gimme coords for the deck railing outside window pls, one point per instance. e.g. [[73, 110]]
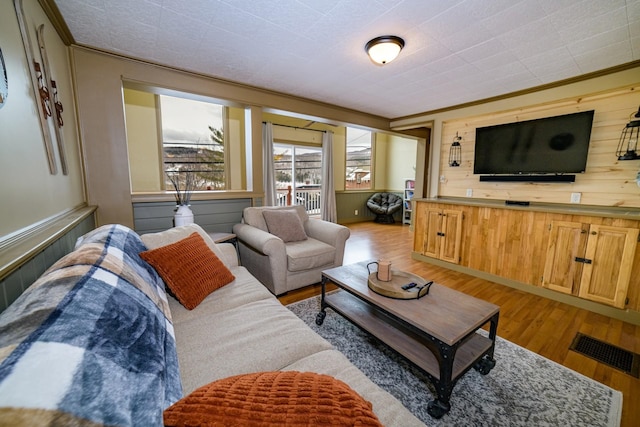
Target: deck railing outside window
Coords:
[[307, 197]]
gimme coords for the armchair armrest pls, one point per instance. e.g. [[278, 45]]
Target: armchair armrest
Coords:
[[327, 232], [330, 233], [261, 241], [263, 254]]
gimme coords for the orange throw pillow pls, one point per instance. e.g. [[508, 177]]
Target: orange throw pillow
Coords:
[[282, 398], [190, 269]]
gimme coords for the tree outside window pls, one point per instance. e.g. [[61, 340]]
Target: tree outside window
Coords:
[[358, 167], [193, 144]]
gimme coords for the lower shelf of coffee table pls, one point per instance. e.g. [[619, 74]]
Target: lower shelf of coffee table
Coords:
[[408, 343]]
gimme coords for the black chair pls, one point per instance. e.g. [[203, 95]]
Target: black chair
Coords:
[[384, 205]]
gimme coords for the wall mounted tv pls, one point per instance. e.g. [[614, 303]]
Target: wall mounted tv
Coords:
[[534, 150]]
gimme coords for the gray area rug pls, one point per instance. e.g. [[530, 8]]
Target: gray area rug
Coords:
[[524, 389]]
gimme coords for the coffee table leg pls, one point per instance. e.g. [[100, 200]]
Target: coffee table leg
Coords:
[[440, 406], [437, 408], [323, 307], [487, 362]]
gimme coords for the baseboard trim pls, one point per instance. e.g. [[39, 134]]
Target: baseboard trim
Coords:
[[629, 316]]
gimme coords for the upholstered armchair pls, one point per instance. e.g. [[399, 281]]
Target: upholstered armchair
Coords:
[[384, 205], [285, 249]]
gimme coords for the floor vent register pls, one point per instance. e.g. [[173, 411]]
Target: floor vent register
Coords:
[[616, 357]]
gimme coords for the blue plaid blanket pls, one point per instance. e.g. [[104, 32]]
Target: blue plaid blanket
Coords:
[[91, 341]]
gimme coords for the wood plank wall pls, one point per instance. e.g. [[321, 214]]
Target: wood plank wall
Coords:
[[606, 181], [13, 285], [212, 215]]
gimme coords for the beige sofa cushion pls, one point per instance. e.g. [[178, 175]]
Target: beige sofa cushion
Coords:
[[257, 336], [241, 291], [308, 254]]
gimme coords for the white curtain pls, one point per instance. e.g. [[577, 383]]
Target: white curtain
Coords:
[[268, 169], [328, 194]]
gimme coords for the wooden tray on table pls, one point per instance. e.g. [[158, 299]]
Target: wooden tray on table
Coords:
[[393, 288]]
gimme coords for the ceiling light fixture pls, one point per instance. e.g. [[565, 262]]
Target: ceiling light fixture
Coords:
[[384, 49]]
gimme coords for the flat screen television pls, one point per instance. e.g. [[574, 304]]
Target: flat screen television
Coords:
[[552, 145]]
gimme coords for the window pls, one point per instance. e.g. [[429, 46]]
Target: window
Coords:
[[358, 167], [193, 143], [304, 164]]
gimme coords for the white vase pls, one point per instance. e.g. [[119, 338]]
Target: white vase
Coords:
[[183, 216]]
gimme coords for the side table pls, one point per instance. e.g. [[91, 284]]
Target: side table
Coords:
[[226, 238], [223, 238]]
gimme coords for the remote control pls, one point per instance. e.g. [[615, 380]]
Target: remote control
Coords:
[[409, 286]]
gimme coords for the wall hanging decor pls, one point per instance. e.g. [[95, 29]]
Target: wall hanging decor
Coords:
[[4, 82], [40, 93], [628, 143], [455, 152], [54, 103]]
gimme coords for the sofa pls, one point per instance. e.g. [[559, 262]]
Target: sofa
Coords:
[[96, 340], [285, 249]]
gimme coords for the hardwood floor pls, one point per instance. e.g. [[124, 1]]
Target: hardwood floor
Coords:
[[541, 325]]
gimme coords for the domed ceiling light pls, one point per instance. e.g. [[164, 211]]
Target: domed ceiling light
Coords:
[[384, 49]]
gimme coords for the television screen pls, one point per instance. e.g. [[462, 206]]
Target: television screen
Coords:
[[552, 145]]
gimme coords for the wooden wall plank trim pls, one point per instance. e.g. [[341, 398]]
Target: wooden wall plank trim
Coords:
[[606, 181], [212, 215], [17, 281]]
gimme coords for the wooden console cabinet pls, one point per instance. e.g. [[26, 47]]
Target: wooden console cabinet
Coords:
[[440, 233], [592, 261], [586, 253]]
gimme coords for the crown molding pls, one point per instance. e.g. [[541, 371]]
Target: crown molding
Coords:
[[53, 13]]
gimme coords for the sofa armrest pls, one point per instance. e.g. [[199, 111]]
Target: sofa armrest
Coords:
[[230, 254]]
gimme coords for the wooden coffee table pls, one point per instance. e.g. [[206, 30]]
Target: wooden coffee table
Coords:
[[437, 333]]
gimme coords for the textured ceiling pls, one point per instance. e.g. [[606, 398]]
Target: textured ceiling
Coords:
[[456, 51]]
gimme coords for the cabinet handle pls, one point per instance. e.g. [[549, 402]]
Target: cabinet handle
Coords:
[[583, 260], [583, 231], [593, 233]]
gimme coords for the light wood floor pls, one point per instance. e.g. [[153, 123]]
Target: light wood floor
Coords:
[[541, 325]]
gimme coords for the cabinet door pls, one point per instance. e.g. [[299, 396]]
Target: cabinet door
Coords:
[[420, 227], [451, 236], [567, 241], [432, 233], [608, 262]]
